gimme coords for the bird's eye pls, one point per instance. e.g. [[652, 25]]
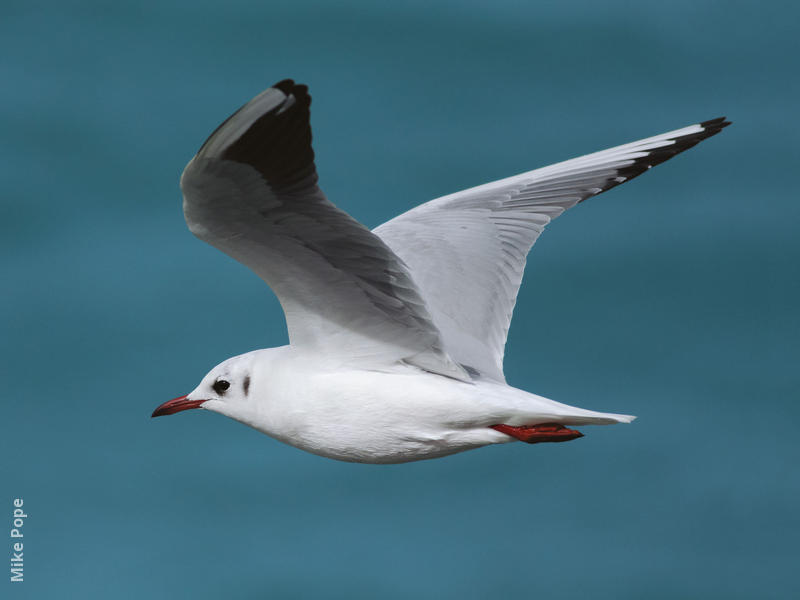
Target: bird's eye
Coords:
[[220, 385]]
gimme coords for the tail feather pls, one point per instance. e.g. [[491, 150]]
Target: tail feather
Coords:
[[599, 419], [531, 409]]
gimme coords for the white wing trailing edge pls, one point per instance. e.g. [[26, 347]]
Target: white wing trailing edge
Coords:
[[467, 251], [251, 191]]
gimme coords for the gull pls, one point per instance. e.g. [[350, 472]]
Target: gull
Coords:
[[396, 335]]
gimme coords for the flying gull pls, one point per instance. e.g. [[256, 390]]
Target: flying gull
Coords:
[[396, 335]]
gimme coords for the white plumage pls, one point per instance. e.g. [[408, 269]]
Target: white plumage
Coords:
[[396, 335]]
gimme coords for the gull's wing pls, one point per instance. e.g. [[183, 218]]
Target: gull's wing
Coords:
[[251, 191], [467, 251]]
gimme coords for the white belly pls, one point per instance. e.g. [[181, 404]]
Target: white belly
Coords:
[[373, 417]]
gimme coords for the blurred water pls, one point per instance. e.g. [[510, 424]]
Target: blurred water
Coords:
[[674, 298]]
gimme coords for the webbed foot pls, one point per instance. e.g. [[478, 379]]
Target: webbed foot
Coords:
[[535, 434]]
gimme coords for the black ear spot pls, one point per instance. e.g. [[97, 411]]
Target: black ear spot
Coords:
[[246, 384], [220, 386]]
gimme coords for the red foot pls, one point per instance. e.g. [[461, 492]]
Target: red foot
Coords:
[[544, 432]]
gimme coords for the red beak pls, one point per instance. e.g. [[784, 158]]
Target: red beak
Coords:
[[170, 407]]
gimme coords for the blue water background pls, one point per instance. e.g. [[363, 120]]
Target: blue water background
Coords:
[[674, 297]]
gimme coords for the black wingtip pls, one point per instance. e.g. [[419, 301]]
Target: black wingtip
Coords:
[[298, 90], [681, 143], [278, 143], [284, 85], [714, 126]]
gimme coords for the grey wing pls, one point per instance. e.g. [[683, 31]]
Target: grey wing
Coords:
[[467, 251], [251, 191]]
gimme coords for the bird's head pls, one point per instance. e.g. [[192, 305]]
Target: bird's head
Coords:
[[226, 389]]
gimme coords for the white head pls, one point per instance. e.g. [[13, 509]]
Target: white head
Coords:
[[226, 389]]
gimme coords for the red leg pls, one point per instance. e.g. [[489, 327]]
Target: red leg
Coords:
[[544, 432]]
